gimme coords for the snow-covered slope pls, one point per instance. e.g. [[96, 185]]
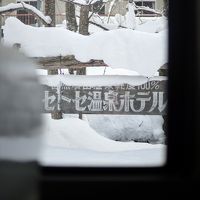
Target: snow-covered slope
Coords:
[[129, 128], [71, 141], [71, 132]]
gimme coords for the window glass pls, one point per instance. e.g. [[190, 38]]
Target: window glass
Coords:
[[102, 67]]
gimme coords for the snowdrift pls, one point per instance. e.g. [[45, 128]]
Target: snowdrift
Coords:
[[139, 51], [72, 142], [129, 128], [71, 132]]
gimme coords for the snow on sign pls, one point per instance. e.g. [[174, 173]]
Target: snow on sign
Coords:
[[146, 99]]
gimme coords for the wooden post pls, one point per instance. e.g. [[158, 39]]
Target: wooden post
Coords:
[[163, 71], [56, 114], [17, 46], [50, 11], [52, 72], [80, 115], [71, 17], [0, 22]]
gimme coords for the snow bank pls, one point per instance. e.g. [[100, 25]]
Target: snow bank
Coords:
[[109, 71], [153, 25], [95, 80], [129, 128], [142, 52], [72, 142], [80, 80], [72, 132], [55, 156]]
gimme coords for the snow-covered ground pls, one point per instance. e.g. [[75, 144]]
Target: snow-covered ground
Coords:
[[103, 140], [72, 142]]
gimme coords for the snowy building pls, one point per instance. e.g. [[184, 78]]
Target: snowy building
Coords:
[[119, 7], [28, 18]]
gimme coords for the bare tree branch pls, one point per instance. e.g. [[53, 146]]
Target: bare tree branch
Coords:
[[96, 24], [145, 8], [99, 25]]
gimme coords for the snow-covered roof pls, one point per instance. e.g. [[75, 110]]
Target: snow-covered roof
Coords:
[[21, 5], [122, 48]]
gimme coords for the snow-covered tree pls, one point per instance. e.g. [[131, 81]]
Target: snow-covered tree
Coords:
[[130, 16], [50, 10], [71, 16], [84, 6], [84, 17]]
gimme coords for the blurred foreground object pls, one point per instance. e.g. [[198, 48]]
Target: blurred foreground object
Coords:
[[20, 126]]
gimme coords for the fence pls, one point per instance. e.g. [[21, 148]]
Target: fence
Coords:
[[30, 19]]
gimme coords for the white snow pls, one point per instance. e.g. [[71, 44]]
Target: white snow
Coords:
[[72, 142], [128, 128], [142, 52], [109, 71], [57, 156], [144, 24], [83, 2], [12, 6], [95, 80], [154, 25], [130, 17]]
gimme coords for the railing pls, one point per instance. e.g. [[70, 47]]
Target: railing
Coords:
[[30, 19]]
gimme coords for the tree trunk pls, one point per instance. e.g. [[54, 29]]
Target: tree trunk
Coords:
[[84, 21], [52, 71], [50, 11], [83, 29], [71, 21], [81, 71], [55, 114], [71, 17]]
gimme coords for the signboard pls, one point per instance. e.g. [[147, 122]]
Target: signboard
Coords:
[[147, 99]]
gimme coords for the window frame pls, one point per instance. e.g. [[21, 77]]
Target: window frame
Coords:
[[183, 163]]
